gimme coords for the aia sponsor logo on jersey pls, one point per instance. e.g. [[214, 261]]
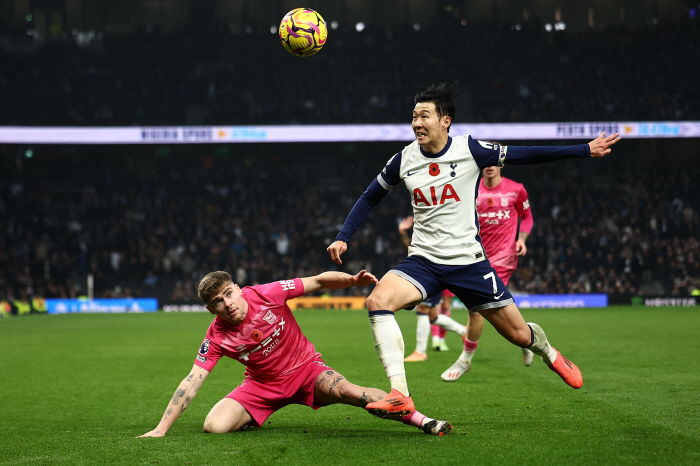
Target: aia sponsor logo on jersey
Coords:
[[448, 192]]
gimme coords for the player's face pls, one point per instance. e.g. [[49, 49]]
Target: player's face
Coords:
[[229, 305], [429, 128], [491, 173]]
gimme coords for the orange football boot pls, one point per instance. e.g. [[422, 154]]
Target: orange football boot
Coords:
[[567, 370], [416, 356], [394, 403]]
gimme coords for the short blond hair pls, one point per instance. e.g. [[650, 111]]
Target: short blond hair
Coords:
[[211, 284]]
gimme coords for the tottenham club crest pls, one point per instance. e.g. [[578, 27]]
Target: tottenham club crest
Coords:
[[204, 349]]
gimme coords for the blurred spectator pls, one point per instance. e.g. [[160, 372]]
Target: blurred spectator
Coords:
[[247, 78], [150, 225]]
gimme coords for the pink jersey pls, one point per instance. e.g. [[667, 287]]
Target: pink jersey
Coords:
[[499, 209], [268, 342]]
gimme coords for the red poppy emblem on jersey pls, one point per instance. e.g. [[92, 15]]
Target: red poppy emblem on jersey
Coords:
[[489, 202], [434, 169], [256, 335]]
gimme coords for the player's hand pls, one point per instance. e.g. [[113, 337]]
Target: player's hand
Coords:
[[520, 248], [406, 224], [600, 146], [153, 433], [364, 278], [336, 249]]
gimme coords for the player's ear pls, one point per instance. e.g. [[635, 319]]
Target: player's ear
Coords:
[[447, 121]]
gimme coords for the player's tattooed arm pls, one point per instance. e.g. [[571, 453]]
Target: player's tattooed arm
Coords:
[[179, 393], [180, 400]]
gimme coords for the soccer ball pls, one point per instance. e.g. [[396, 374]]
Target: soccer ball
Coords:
[[303, 32]]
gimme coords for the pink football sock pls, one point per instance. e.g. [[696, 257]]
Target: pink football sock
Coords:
[[470, 346], [414, 419]]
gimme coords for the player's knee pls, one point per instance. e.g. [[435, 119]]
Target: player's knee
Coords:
[[212, 426], [375, 302], [522, 337]]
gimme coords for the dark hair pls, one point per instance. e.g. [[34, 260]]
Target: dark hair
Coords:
[[441, 95], [211, 284]]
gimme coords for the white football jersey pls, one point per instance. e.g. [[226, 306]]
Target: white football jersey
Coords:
[[443, 189]]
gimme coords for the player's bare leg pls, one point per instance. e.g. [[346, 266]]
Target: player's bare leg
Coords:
[[510, 324], [471, 340], [391, 294], [228, 415], [474, 329], [331, 388]]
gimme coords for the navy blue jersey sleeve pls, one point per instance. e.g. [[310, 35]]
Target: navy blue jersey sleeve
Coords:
[[373, 195], [390, 175], [487, 154], [530, 155]]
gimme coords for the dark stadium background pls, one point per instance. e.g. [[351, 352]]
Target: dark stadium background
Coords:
[[151, 220]]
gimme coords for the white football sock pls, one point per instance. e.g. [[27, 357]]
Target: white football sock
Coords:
[[388, 341], [448, 323], [540, 346], [422, 332]]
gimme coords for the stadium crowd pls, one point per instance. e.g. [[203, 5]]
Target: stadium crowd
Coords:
[[218, 78], [151, 221], [148, 224]]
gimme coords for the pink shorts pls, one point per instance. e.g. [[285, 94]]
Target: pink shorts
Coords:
[[261, 398], [503, 274]]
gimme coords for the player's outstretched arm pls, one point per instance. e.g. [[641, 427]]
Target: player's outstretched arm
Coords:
[[337, 281], [181, 399], [336, 249], [600, 146]]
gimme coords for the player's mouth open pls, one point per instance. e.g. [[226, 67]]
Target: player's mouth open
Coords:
[[420, 135]]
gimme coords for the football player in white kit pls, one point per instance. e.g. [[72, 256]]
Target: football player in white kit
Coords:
[[442, 175]]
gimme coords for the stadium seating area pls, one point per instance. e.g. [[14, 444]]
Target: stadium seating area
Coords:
[[150, 221], [507, 75], [152, 224]]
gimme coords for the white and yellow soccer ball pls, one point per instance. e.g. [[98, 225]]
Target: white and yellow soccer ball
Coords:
[[303, 32]]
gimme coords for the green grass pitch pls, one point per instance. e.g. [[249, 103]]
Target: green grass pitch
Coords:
[[78, 389]]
